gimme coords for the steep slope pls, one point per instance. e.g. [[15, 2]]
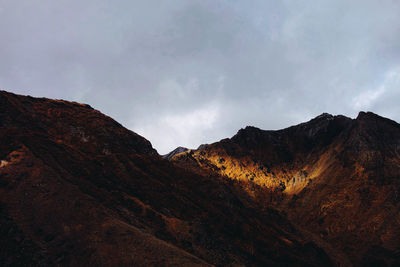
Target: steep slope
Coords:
[[339, 178], [355, 202], [76, 188]]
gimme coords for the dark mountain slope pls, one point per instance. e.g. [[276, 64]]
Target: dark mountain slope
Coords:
[[339, 178], [76, 188], [355, 202]]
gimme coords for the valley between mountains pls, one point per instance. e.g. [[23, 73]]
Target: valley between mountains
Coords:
[[77, 188]]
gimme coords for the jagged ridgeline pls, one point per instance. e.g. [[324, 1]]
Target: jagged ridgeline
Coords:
[[339, 178], [77, 188]]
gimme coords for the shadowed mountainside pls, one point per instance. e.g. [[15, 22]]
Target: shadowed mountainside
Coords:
[[337, 178], [77, 188]]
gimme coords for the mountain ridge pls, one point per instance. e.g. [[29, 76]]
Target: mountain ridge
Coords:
[[76, 188], [335, 176]]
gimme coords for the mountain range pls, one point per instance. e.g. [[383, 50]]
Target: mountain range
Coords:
[[77, 188]]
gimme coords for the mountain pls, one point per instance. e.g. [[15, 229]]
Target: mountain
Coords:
[[77, 188], [174, 152], [337, 178]]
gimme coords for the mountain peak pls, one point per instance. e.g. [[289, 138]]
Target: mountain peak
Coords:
[[248, 128], [366, 114], [368, 118], [324, 116], [74, 124], [174, 152]]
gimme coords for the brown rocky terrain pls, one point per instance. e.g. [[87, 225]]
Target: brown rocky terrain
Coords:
[[77, 188], [337, 178]]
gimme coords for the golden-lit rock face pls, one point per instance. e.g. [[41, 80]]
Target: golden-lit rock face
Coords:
[[245, 169], [285, 160], [339, 179]]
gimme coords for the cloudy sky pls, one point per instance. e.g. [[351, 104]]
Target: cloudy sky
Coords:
[[187, 72]]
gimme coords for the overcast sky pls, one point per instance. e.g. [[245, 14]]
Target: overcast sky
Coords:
[[187, 72]]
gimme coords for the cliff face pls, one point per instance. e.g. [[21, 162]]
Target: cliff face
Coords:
[[337, 178], [77, 188]]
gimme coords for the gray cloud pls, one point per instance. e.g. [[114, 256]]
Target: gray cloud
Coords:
[[190, 72]]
